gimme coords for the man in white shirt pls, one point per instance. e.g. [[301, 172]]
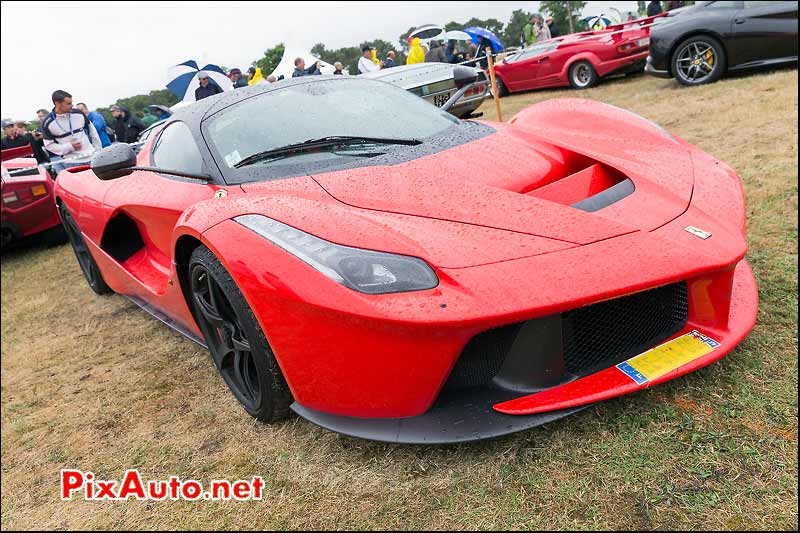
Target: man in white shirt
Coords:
[[365, 62], [68, 134]]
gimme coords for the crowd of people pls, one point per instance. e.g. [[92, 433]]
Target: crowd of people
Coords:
[[68, 135]]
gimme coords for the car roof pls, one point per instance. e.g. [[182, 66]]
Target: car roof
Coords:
[[408, 76]]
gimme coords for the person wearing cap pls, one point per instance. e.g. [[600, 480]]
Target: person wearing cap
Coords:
[[301, 70], [237, 78], [206, 88], [542, 31], [12, 137], [127, 127], [390, 60], [365, 62]]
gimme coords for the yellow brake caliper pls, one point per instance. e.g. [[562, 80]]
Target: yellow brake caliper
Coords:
[[710, 58]]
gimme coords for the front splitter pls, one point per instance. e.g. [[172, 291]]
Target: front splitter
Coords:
[[463, 417]]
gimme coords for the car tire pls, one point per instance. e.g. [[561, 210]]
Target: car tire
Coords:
[[582, 75], [235, 340], [91, 272], [502, 90], [697, 52]]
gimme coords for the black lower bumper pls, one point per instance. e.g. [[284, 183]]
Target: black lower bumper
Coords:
[[653, 71], [456, 417]]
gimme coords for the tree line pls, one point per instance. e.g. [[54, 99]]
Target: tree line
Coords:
[[565, 13]]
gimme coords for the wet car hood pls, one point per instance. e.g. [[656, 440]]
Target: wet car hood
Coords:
[[499, 182]]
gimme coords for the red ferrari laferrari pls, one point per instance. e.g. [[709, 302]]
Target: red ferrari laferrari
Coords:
[[578, 59], [385, 270]]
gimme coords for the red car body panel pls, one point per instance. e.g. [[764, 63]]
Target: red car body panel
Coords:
[[28, 205], [499, 232], [614, 49]]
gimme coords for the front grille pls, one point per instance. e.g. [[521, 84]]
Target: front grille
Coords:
[[34, 171], [482, 357], [594, 337], [609, 332]]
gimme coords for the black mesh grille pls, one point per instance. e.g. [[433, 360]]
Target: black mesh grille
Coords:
[[595, 337], [27, 172], [482, 357], [607, 333]]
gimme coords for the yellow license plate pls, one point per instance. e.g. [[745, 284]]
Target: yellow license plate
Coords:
[[665, 358]]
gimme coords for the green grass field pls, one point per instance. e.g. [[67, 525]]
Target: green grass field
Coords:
[[94, 383]]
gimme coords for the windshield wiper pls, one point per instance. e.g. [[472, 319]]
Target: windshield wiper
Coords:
[[321, 142]]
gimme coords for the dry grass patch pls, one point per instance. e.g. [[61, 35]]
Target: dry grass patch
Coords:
[[93, 383]]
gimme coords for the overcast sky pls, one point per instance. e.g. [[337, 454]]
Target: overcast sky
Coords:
[[101, 51]]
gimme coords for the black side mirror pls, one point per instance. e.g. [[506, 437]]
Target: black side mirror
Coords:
[[464, 76], [114, 161]]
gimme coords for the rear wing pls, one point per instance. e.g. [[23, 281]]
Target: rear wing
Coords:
[[616, 30], [19, 151], [633, 24]]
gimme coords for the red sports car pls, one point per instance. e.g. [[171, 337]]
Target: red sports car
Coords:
[[28, 206], [578, 59], [350, 252]]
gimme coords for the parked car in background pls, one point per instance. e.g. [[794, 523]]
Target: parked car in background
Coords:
[[578, 59], [28, 207], [434, 82], [697, 44]]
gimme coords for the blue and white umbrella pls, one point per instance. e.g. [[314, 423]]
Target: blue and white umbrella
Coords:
[[183, 79], [598, 22], [477, 33]]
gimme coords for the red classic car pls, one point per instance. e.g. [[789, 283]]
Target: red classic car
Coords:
[[28, 206], [579, 59]]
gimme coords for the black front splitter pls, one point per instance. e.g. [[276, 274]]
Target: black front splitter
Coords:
[[456, 417]]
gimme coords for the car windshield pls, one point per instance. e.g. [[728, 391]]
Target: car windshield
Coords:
[[533, 51], [338, 107]]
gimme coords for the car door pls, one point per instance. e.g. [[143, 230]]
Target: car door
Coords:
[[763, 31], [147, 205], [524, 70]]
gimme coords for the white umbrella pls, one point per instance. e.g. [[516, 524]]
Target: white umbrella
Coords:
[[457, 35], [286, 66]]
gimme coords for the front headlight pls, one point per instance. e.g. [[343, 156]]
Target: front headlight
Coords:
[[365, 271]]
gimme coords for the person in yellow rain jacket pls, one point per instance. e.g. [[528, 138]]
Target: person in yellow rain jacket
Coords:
[[416, 54], [257, 77]]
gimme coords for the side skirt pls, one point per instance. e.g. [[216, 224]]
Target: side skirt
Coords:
[[155, 313]]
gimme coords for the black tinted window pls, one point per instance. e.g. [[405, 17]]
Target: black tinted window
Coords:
[[175, 149]]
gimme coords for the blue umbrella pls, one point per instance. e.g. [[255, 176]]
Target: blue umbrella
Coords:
[[183, 79], [476, 34]]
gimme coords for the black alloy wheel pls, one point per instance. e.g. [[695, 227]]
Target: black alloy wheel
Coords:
[[237, 345], [85, 260]]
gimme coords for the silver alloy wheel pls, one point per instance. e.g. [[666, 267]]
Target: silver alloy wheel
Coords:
[[696, 62], [582, 75]]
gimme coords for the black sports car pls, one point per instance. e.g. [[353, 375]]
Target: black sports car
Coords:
[[698, 44]]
